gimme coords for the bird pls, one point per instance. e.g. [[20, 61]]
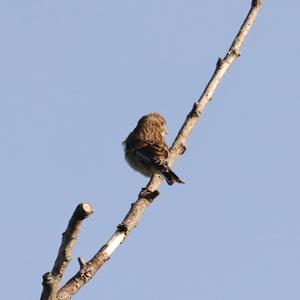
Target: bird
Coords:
[[146, 150]]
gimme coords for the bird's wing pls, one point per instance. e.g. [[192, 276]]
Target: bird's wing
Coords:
[[156, 154]]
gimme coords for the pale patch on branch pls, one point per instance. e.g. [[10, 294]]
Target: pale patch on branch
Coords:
[[88, 269]]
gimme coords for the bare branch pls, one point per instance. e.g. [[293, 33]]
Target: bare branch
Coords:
[[51, 280], [90, 268], [221, 68], [147, 195]]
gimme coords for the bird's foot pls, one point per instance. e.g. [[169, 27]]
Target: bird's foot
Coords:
[[149, 195]]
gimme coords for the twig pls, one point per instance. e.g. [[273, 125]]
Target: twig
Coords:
[[51, 280], [89, 269]]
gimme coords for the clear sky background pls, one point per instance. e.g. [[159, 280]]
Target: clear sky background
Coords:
[[75, 78]]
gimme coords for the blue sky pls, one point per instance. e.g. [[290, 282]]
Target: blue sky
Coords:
[[77, 75]]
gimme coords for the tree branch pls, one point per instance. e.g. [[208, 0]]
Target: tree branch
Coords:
[[145, 198], [89, 269], [51, 280]]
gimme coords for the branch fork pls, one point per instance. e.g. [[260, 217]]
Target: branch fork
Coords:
[[51, 280]]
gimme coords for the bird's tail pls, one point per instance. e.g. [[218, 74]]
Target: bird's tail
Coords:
[[171, 177]]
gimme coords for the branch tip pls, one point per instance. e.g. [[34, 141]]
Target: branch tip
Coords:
[[256, 3], [84, 210], [82, 262]]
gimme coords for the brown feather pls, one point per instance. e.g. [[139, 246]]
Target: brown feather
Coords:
[[146, 150]]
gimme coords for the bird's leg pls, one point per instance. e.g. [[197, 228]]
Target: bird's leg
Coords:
[[149, 195]]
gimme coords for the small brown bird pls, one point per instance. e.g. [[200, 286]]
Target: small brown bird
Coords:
[[146, 150]]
